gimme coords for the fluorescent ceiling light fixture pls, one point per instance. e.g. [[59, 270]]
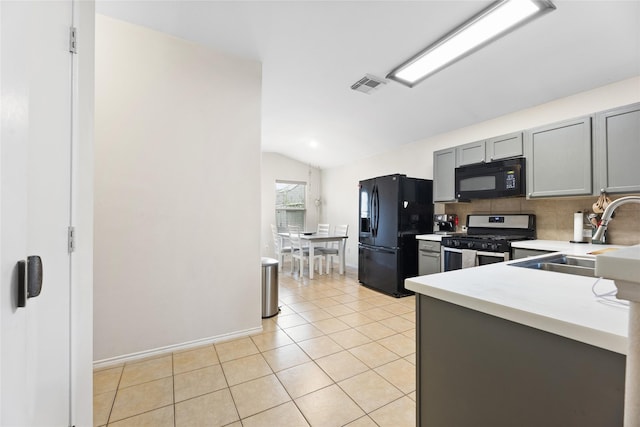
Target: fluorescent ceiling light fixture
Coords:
[[490, 24]]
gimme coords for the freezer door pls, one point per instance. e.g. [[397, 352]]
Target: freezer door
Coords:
[[380, 269]]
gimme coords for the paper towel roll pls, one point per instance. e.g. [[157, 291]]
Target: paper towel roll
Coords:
[[577, 227]]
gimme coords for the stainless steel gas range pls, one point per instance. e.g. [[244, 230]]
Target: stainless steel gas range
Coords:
[[488, 240]]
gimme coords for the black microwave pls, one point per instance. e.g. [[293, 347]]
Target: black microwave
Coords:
[[501, 178]]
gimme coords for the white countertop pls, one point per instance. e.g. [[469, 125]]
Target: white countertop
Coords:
[[437, 237], [562, 304], [561, 246], [431, 237]]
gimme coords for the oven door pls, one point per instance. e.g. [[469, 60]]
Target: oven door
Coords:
[[453, 259]]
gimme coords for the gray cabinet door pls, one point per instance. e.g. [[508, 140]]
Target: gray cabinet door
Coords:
[[505, 146], [474, 152], [428, 263], [559, 159], [444, 165], [617, 150]]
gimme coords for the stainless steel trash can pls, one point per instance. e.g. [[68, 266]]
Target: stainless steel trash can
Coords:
[[269, 287]]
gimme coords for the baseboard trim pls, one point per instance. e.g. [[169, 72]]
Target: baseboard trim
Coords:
[[132, 357]]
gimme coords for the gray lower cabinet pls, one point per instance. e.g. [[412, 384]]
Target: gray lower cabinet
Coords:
[[474, 369], [617, 150], [444, 165], [504, 147], [559, 159], [473, 152], [428, 257]]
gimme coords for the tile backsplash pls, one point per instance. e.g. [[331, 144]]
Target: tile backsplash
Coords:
[[554, 217]]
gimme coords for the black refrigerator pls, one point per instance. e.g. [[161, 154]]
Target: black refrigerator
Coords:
[[393, 210]]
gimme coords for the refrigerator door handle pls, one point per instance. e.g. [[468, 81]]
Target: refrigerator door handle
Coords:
[[370, 214], [373, 211], [377, 210]]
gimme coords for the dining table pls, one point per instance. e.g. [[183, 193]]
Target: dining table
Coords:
[[315, 240]]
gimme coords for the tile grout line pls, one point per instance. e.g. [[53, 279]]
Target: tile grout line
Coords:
[[113, 403], [235, 406]]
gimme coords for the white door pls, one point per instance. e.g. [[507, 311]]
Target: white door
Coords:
[[35, 88]]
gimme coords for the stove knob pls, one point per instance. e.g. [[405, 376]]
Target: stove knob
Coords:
[[484, 246], [456, 243], [494, 246], [470, 245]]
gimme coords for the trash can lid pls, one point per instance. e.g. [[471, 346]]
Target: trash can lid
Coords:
[[269, 261]]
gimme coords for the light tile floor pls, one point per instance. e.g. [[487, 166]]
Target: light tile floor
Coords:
[[338, 354]]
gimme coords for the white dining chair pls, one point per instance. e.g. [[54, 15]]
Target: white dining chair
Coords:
[[333, 248], [323, 229], [299, 253], [279, 247]]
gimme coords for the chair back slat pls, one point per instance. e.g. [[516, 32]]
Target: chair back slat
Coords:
[[323, 229]]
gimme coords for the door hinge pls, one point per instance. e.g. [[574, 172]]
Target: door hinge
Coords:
[[73, 40], [71, 234]]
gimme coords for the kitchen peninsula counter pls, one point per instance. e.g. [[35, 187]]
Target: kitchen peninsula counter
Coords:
[[505, 345], [562, 304]]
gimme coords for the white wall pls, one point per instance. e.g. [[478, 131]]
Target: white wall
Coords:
[[339, 185], [177, 189], [276, 167]]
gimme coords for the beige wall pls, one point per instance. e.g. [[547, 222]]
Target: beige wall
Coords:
[[276, 167], [339, 185], [177, 188]]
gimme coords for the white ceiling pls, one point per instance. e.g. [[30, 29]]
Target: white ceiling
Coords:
[[313, 51]]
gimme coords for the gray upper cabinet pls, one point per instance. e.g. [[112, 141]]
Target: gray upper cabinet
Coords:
[[617, 150], [474, 152], [505, 146], [559, 159], [444, 165]]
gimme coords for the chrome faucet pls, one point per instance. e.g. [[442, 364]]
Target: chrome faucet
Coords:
[[606, 215]]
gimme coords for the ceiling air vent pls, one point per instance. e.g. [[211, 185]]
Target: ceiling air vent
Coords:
[[367, 84]]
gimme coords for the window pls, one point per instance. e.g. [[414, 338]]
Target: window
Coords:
[[290, 204]]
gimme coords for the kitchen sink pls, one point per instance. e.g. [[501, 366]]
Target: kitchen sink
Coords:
[[560, 263]]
